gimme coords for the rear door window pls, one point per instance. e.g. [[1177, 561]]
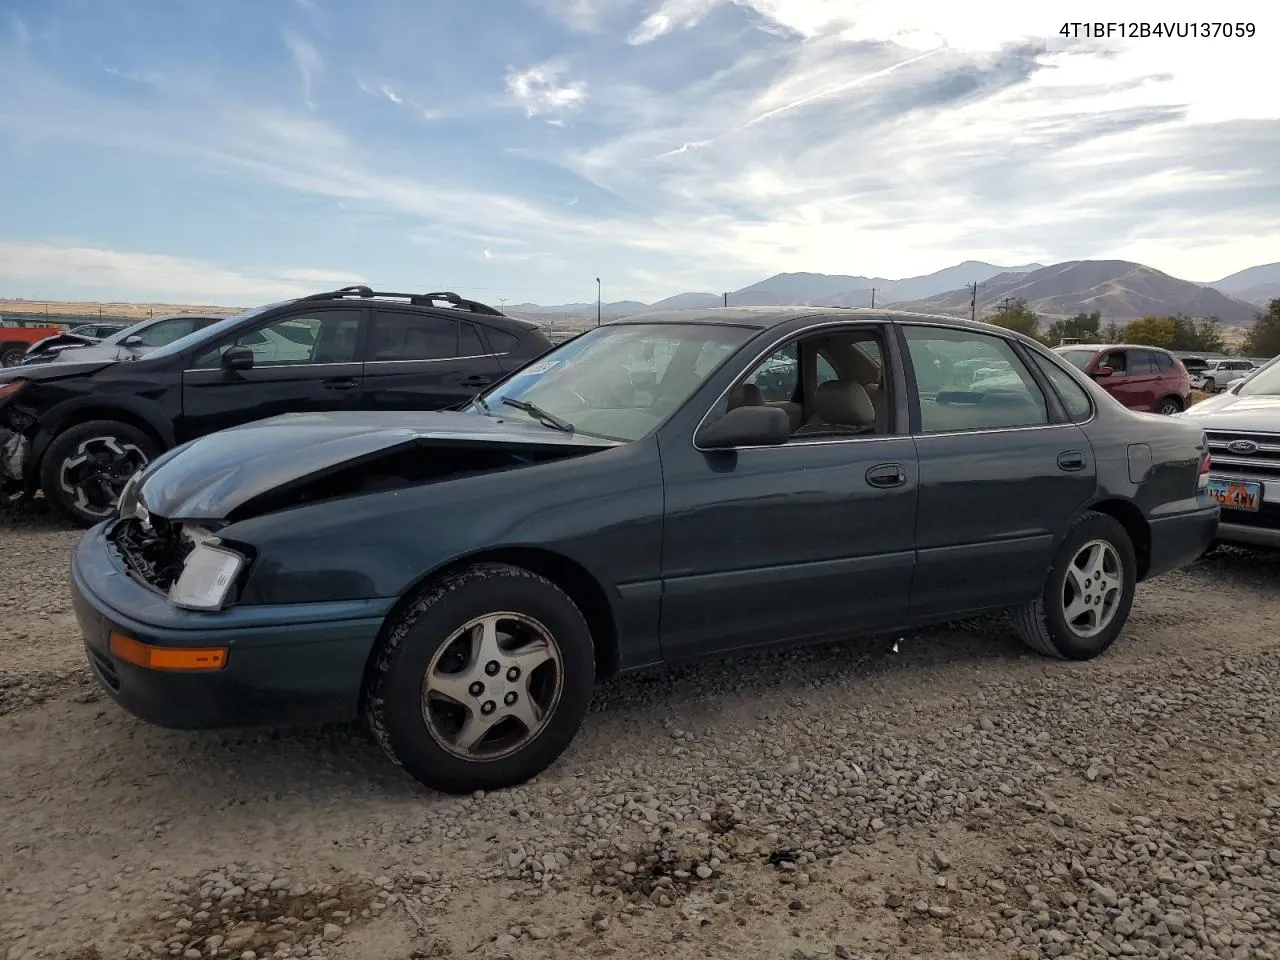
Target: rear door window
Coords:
[[401, 335]]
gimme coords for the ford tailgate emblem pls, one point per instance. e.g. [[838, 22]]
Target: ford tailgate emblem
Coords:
[[1242, 446]]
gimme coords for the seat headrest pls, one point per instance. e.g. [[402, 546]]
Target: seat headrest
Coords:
[[844, 402], [745, 395]]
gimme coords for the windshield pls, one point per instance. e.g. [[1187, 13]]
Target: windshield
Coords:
[[619, 381], [1264, 382], [213, 330], [1077, 358]]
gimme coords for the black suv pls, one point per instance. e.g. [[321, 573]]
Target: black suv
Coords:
[[79, 430]]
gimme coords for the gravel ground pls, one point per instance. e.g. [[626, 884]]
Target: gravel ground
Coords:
[[953, 797]]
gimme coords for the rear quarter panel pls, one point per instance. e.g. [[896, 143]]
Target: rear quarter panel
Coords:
[[1172, 449]]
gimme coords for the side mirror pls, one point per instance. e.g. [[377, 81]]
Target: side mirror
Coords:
[[746, 427], [237, 358], [1104, 371], [133, 341]]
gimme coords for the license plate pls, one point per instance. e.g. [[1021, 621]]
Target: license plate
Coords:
[[1236, 494]]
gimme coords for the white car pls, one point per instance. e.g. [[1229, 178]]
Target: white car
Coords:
[[1219, 373]]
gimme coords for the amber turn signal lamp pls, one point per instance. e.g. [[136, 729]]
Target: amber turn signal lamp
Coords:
[[167, 658]]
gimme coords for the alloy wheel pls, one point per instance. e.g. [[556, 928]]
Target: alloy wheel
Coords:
[[1092, 589], [492, 686], [96, 473]]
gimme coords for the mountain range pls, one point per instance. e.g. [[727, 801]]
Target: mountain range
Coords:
[[1118, 289]]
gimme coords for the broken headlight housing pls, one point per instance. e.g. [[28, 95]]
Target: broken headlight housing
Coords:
[[129, 505], [207, 577]]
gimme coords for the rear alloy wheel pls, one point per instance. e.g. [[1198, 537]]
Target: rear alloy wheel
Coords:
[[1088, 592], [86, 467], [1169, 406], [483, 681], [11, 356]]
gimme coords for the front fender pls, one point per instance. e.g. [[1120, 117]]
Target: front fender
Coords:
[[79, 409]]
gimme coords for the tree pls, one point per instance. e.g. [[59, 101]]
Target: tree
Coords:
[[1112, 334], [1149, 330], [1178, 332], [1016, 316], [1263, 338], [1203, 335], [1085, 327]]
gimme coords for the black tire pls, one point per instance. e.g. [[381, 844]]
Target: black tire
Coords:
[[1042, 623], [1210, 385], [88, 502], [11, 354], [1168, 406], [395, 702]]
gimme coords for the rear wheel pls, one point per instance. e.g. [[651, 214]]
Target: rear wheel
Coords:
[[11, 354], [1169, 406], [1088, 592], [483, 681], [87, 465]]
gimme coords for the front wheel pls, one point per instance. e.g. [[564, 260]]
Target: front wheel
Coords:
[[483, 681], [86, 467], [1169, 406], [11, 354], [1210, 385], [1087, 594]]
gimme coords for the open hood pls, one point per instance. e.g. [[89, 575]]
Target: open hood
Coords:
[[299, 457]]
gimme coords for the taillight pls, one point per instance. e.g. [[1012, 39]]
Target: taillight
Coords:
[[1206, 464]]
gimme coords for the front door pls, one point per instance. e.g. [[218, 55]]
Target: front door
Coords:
[[1002, 473], [807, 540], [1131, 376], [423, 361], [303, 362]]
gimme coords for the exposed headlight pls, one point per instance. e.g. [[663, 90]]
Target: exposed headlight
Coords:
[[127, 505], [207, 577]]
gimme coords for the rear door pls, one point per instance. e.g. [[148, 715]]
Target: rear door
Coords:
[[425, 361], [1002, 471], [304, 362]]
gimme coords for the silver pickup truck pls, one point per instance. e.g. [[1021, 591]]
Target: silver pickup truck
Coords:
[[1243, 427]]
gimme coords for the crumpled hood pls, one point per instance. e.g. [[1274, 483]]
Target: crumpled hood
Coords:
[[1228, 411], [206, 479]]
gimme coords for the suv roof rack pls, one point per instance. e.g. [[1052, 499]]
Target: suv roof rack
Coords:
[[417, 299]]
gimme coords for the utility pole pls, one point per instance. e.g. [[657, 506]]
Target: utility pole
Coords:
[[1004, 304], [973, 300], [873, 298], [597, 301], [503, 304], [726, 298]]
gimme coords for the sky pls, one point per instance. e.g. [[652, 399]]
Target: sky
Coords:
[[242, 151]]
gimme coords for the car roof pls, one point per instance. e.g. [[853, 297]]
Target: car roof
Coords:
[[1110, 346], [764, 318]]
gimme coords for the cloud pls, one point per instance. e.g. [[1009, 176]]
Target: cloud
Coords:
[[308, 61], [101, 273], [20, 29], [541, 89], [148, 77], [742, 137]]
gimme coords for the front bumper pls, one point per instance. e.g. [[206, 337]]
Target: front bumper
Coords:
[[296, 664], [1181, 539]]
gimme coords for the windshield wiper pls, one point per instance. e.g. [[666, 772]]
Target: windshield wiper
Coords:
[[542, 416]]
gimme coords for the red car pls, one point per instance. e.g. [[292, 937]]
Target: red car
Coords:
[[1142, 378]]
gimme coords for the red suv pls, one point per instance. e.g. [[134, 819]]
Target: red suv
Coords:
[[1142, 378]]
